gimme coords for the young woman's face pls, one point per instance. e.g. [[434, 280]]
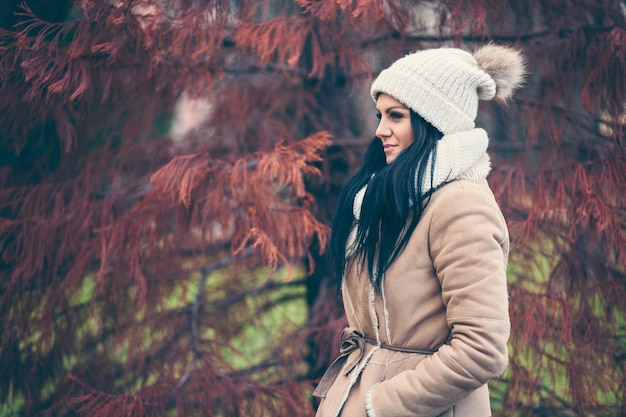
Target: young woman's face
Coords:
[[394, 128]]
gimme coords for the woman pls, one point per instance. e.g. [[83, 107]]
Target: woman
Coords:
[[420, 246]]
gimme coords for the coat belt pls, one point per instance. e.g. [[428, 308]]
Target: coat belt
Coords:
[[352, 340]]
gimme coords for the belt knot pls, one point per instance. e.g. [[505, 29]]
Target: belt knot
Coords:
[[351, 341]]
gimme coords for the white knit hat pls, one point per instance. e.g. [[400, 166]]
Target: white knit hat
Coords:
[[444, 85]]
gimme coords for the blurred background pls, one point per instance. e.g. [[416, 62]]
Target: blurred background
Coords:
[[169, 169]]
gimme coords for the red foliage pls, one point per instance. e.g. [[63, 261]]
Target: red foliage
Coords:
[[138, 268]]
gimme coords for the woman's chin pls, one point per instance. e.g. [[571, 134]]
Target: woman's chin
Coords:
[[390, 158]]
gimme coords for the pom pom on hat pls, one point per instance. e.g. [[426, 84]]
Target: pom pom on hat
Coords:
[[505, 66], [444, 85]]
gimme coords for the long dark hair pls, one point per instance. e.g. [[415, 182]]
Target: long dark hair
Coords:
[[392, 205]]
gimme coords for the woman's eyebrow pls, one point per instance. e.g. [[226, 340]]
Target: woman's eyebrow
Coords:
[[388, 109]]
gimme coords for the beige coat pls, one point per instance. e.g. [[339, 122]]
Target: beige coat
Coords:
[[446, 291]]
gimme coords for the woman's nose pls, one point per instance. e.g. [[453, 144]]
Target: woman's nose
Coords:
[[382, 130]]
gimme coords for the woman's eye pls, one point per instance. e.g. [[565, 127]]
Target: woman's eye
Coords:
[[378, 116], [395, 115]]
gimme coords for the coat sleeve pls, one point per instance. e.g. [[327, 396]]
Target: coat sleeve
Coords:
[[469, 249]]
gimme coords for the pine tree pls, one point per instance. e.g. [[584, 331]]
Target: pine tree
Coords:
[[151, 265]]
